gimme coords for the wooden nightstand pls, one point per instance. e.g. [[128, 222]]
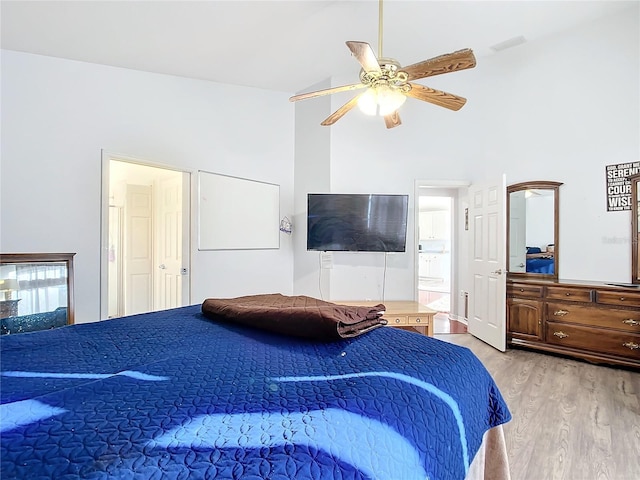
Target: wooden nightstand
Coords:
[[404, 314]]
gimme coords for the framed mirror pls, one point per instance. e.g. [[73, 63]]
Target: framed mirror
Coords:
[[532, 229], [635, 228]]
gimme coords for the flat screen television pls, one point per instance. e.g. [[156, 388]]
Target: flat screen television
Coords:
[[357, 222]]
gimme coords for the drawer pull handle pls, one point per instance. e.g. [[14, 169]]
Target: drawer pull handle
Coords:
[[397, 320], [418, 320], [560, 313], [631, 345], [560, 334], [631, 322]]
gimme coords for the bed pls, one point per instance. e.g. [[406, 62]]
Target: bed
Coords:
[[539, 261], [177, 394]]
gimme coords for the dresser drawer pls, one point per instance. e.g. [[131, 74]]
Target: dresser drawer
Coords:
[[572, 294], [522, 290], [628, 320], [418, 320], [394, 320], [627, 299], [611, 342]]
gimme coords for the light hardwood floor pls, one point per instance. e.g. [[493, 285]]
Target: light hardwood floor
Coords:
[[442, 324], [572, 420]]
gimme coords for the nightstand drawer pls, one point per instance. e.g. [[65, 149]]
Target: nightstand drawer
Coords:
[[626, 299], [569, 293], [628, 320], [395, 320], [594, 340], [418, 320], [521, 290]]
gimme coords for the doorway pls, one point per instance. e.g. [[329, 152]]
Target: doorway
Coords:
[[436, 244], [145, 254]]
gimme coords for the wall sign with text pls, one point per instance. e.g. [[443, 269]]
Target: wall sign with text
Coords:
[[619, 186]]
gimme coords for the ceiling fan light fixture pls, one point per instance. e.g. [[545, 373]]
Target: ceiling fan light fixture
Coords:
[[368, 102], [381, 100], [389, 100]]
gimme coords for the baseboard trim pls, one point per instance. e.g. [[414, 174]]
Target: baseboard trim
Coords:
[[458, 318]]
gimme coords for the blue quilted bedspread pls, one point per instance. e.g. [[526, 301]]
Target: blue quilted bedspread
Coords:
[[540, 265], [174, 395]]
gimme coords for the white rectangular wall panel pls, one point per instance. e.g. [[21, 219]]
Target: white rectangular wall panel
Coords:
[[237, 213]]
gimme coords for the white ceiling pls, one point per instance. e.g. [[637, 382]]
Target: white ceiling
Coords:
[[277, 45]]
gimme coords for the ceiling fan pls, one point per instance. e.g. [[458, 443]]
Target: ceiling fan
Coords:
[[388, 84]]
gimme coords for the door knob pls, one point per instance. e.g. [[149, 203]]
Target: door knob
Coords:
[[497, 272], [162, 266]]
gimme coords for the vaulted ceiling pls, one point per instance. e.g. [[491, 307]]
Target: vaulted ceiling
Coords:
[[278, 45]]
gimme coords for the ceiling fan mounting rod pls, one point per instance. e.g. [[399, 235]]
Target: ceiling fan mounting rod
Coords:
[[380, 29]]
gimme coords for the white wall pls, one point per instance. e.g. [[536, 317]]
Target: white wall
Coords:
[[57, 115], [556, 109], [312, 162]]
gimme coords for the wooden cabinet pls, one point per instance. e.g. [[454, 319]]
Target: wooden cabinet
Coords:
[[434, 225], [524, 311], [525, 318], [591, 321]]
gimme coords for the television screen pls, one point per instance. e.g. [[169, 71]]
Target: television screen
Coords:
[[357, 222]]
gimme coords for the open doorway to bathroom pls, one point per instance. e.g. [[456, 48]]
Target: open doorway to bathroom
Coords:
[[145, 258], [436, 245]]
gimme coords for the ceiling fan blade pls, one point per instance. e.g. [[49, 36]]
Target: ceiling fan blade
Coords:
[[365, 56], [437, 97], [392, 120], [339, 113], [449, 62], [343, 88]]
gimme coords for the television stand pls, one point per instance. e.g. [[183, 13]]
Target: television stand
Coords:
[[404, 314]]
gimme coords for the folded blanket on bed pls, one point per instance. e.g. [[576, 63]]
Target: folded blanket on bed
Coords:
[[298, 315]]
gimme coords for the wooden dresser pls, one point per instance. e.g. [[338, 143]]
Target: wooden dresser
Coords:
[[593, 321], [403, 314]]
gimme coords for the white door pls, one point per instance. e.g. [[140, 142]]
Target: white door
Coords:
[[517, 232], [487, 305], [169, 242], [138, 254]]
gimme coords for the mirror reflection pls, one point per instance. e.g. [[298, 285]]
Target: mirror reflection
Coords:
[[637, 231], [533, 228]]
